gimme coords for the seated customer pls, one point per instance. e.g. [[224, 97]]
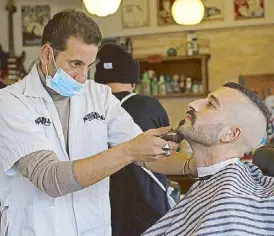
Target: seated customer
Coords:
[[231, 197]]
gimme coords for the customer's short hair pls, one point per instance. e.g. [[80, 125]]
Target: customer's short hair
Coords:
[[71, 23], [253, 97]]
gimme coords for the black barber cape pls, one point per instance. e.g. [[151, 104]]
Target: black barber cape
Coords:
[[237, 200], [137, 201]]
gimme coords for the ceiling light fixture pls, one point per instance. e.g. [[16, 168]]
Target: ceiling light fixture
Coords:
[[102, 7], [188, 12]]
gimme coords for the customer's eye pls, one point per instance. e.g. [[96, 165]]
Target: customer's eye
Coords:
[[210, 105]]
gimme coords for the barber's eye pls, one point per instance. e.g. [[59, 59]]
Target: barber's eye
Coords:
[[76, 64]]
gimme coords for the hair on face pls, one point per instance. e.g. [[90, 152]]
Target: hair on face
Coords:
[[253, 97], [71, 23]]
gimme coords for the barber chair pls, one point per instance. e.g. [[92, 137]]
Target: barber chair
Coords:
[[263, 157]]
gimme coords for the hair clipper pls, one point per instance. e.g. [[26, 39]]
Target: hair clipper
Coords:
[[173, 136]]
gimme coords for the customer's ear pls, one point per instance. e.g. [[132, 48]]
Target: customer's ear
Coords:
[[231, 134]]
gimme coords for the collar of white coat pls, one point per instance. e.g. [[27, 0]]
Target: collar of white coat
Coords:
[[211, 170], [34, 86]]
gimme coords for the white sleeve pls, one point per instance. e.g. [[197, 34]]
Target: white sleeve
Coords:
[[19, 135], [121, 126]]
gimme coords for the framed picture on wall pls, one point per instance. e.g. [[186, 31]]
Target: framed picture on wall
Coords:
[[34, 19], [248, 9], [214, 10], [135, 13], [164, 16]]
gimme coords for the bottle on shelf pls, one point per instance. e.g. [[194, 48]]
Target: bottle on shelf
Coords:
[[189, 44], [176, 83], [169, 84], [182, 82], [146, 84], [188, 85], [195, 45], [195, 87], [154, 87], [162, 85]]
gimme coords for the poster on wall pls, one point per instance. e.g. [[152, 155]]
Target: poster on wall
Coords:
[[34, 19], [248, 9], [135, 13], [164, 16], [214, 10]]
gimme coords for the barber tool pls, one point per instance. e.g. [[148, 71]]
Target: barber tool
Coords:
[[173, 136]]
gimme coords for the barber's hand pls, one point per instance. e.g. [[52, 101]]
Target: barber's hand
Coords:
[[149, 146]]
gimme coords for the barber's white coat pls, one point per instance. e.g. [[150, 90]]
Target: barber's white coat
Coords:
[[26, 210]]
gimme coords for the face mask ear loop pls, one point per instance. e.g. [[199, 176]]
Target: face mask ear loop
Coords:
[[51, 49], [47, 70]]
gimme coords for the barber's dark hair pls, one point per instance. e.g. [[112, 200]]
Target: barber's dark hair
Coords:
[[253, 97], [71, 23]]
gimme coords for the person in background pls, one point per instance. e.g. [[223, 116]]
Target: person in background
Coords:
[[231, 197], [137, 201], [55, 130]]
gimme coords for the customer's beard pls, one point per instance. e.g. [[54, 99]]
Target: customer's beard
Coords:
[[207, 135]]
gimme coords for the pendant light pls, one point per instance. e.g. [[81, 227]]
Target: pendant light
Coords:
[[188, 12], [102, 7]]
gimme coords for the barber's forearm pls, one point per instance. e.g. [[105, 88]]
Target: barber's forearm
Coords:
[[58, 178], [47, 173], [90, 170], [172, 165]]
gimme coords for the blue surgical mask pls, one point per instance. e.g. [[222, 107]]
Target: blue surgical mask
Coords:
[[62, 83]]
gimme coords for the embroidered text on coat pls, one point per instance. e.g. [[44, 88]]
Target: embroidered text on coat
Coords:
[[43, 120], [92, 116]]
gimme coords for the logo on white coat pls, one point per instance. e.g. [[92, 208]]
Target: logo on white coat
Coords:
[[43, 121]]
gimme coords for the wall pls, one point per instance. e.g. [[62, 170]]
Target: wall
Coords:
[[112, 26]]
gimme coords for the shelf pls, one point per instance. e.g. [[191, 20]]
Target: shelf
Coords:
[[175, 58], [178, 95], [194, 67]]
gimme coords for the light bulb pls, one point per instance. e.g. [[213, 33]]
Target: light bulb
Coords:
[[188, 12], [102, 7]]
